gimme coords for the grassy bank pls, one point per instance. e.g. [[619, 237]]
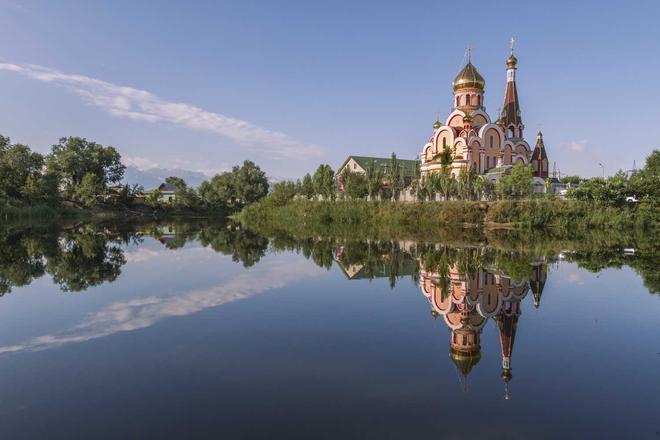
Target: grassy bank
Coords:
[[419, 220]]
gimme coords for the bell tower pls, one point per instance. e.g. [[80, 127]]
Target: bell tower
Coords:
[[510, 117]]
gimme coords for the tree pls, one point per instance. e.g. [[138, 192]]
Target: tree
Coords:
[[374, 179], [355, 185], [393, 174], [307, 187], [88, 190], [73, 158], [466, 179], [573, 180], [324, 182], [184, 197], [645, 184], [235, 189], [250, 183], [282, 193], [18, 164], [446, 183], [521, 180]]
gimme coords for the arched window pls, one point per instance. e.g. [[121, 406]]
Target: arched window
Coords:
[[479, 100], [491, 141], [512, 131], [458, 101], [467, 99], [444, 142]]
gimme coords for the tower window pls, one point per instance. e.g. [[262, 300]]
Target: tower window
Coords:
[[479, 100], [512, 131], [491, 142], [467, 99], [458, 101]]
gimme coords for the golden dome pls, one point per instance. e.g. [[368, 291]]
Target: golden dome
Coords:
[[469, 78], [437, 124], [512, 61]]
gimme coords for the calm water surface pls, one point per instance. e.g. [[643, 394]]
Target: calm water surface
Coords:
[[216, 333]]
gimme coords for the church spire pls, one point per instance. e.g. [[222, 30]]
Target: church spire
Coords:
[[510, 118]]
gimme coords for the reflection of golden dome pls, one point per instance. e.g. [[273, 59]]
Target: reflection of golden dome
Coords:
[[465, 361], [469, 78], [512, 61]]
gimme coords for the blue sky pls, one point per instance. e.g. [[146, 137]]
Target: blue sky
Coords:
[[204, 85]]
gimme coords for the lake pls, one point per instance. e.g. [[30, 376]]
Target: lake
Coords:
[[210, 331]]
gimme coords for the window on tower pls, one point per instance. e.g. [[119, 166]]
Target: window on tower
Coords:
[[467, 99], [458, 101]]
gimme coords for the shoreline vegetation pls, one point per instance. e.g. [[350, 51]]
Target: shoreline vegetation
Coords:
[[82, 180], [417, 220]]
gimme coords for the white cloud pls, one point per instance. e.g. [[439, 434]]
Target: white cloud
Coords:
[[144, 312], [141, 105], [577, 146], [140, 163]]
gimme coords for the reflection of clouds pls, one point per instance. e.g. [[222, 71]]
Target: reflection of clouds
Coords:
[[145, 311], [571, 276], [140, 254]]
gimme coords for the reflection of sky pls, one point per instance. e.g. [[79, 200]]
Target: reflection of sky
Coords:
[[156, 283], [320, 355]]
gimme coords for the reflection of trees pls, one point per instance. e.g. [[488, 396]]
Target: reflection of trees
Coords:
[[243, 245], [76, 258], [20, 262], [85, 259]]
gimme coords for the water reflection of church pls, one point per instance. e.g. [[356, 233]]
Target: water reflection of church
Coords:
[[467, 301]]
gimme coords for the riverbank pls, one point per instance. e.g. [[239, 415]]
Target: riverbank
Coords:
[[415, 219]]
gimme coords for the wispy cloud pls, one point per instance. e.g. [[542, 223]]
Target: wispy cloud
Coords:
[[141, 105], [141, 163], [577, 146], [144, 312]]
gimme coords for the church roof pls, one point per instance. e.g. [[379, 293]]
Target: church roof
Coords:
[[539, 152], [469, 77], [382, 163]]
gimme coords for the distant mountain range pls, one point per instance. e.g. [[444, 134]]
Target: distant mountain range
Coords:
[[153, 177]]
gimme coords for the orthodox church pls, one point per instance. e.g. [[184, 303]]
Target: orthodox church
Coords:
[[474, 140]]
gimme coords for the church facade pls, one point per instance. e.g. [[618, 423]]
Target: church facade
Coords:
[[474, 140]]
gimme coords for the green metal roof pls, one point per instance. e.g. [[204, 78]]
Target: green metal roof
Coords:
[[382, 163]]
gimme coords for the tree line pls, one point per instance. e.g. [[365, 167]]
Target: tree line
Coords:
[[82, 173]]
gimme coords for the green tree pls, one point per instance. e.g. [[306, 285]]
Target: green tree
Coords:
[[73, 158], [307, 187], [521, 180], [282, 193], [393, 174], [250, 183], [184, 197], [324, 182], [87, 191], [18, 164], [355, 185], [374, 177]]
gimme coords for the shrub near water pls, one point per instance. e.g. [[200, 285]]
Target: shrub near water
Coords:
[[412, 218]]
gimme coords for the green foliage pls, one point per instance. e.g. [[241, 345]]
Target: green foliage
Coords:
[[355, 185], [235, 189], [324, 182], [73, 158], [87, 191], [573, 180], [307, 187], [282, 193]]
